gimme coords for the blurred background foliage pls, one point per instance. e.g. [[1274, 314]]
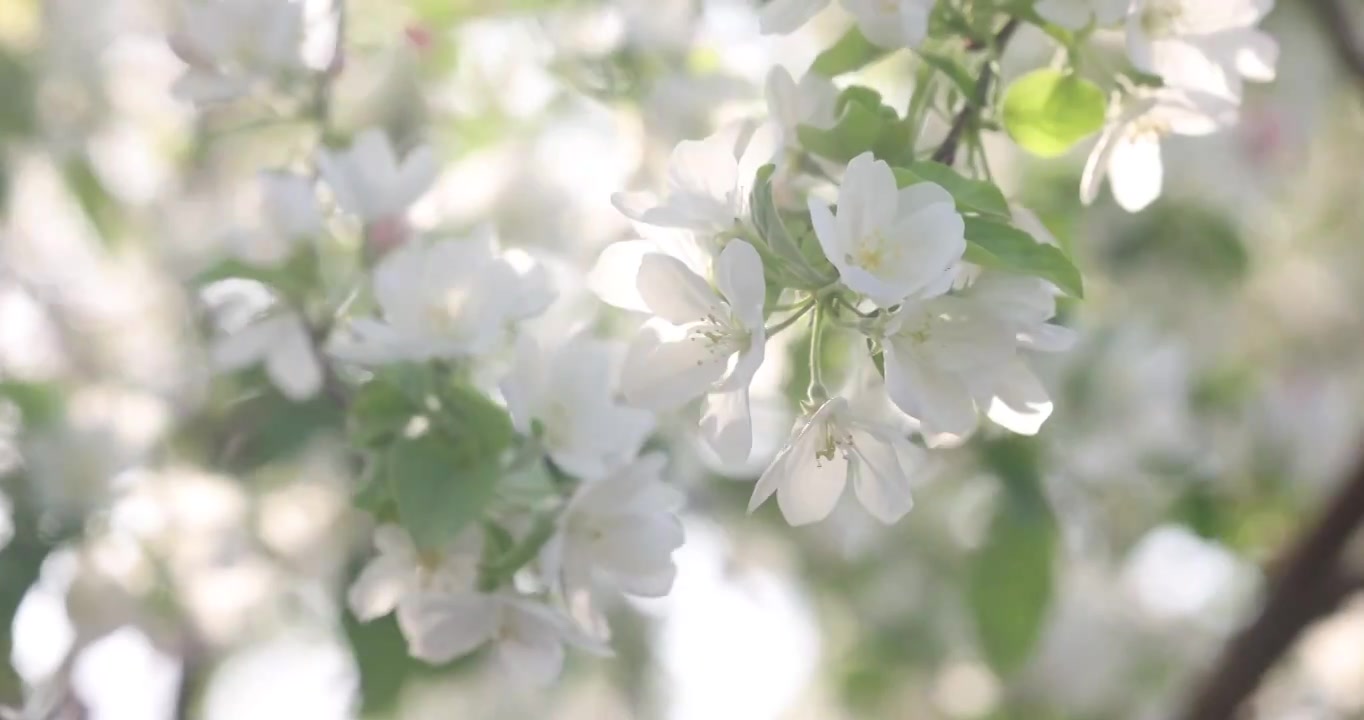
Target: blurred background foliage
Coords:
[[175, 547]]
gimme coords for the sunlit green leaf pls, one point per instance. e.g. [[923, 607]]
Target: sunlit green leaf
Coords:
[[1048, 111], [852, 51], [994, 244], [981, 196]]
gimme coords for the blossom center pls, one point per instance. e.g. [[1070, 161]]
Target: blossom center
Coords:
[[720, 337], [1160, 18], [871, 252], [836, 441]]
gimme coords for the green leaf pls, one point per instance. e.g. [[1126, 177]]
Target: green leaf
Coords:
[[481, 428], [1010, 585], [857, 131], [952, 69], [852, 52], [437, 490], [776, 237], [39, 403], [1048, 111], [379, 413], [981, 196], [999, 246]]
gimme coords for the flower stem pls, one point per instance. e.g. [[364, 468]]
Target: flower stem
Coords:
[[816, 392], [497, 571], [778, 327]]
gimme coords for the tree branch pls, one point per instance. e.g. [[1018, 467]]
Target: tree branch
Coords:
[[970, 113], [1340, 25], [1307, 584]]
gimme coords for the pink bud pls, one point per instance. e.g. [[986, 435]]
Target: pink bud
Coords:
[[385, 235]]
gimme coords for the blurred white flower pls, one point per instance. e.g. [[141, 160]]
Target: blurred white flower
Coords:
[[1200, 45], [701, 342], [528, 638], [1128, 151], [447, 299], [232, 45], [289, 213], [371, 183], [399, 572], [281, 343], [889, 243], [566, 395], [792, 104], [1078, 14], [828, 448], [1024, 304], [947, 356], [784, 16], [709, 182], [892, 24], [619, 533]]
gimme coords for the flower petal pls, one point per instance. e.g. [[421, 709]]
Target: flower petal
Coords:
[[1135, 172], [673, 292], [880, 481], [440, 627], [727, 424]]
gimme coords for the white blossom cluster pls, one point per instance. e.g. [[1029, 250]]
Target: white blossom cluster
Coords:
[[937, 341], [1202, 52]]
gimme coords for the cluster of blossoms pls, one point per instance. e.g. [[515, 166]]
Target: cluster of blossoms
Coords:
[[507, 469]]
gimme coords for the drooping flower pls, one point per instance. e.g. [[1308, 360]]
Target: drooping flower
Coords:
[[827, 449], [889, 243], [709, 182], [231, 46], [527, 636], [1128, 150], [399, 572], [448, 299], [892, 24], [618, 533], [792, 104], [778, 17], [948, 358], [568, 395], [703, 340], [1078, 14], [288, 214], [281, 343], [1200, 45], [371, 183]]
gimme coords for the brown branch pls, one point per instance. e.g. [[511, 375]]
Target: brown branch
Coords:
[[970, 113], [1340, 26], [1306, 585]]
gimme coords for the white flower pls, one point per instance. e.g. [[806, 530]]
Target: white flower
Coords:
[[1128, 150], [232, 45], [619, 533], [399, 573], [778, 17], [568, 393], [889, 243], [946, 357], [709, 182], [1201, 45], [892, 24], [1078, 14], [791, 104], [282, 344], [527, 637], [289, 214], [826, 450], [369, 181], [701, 341], [448, 299]]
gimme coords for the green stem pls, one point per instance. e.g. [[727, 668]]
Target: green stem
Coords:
[[494, 573], [774, 329], [816, 392]]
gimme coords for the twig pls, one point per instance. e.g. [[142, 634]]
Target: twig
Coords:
[[1308, 583], [969, 114], [1340, 28]]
